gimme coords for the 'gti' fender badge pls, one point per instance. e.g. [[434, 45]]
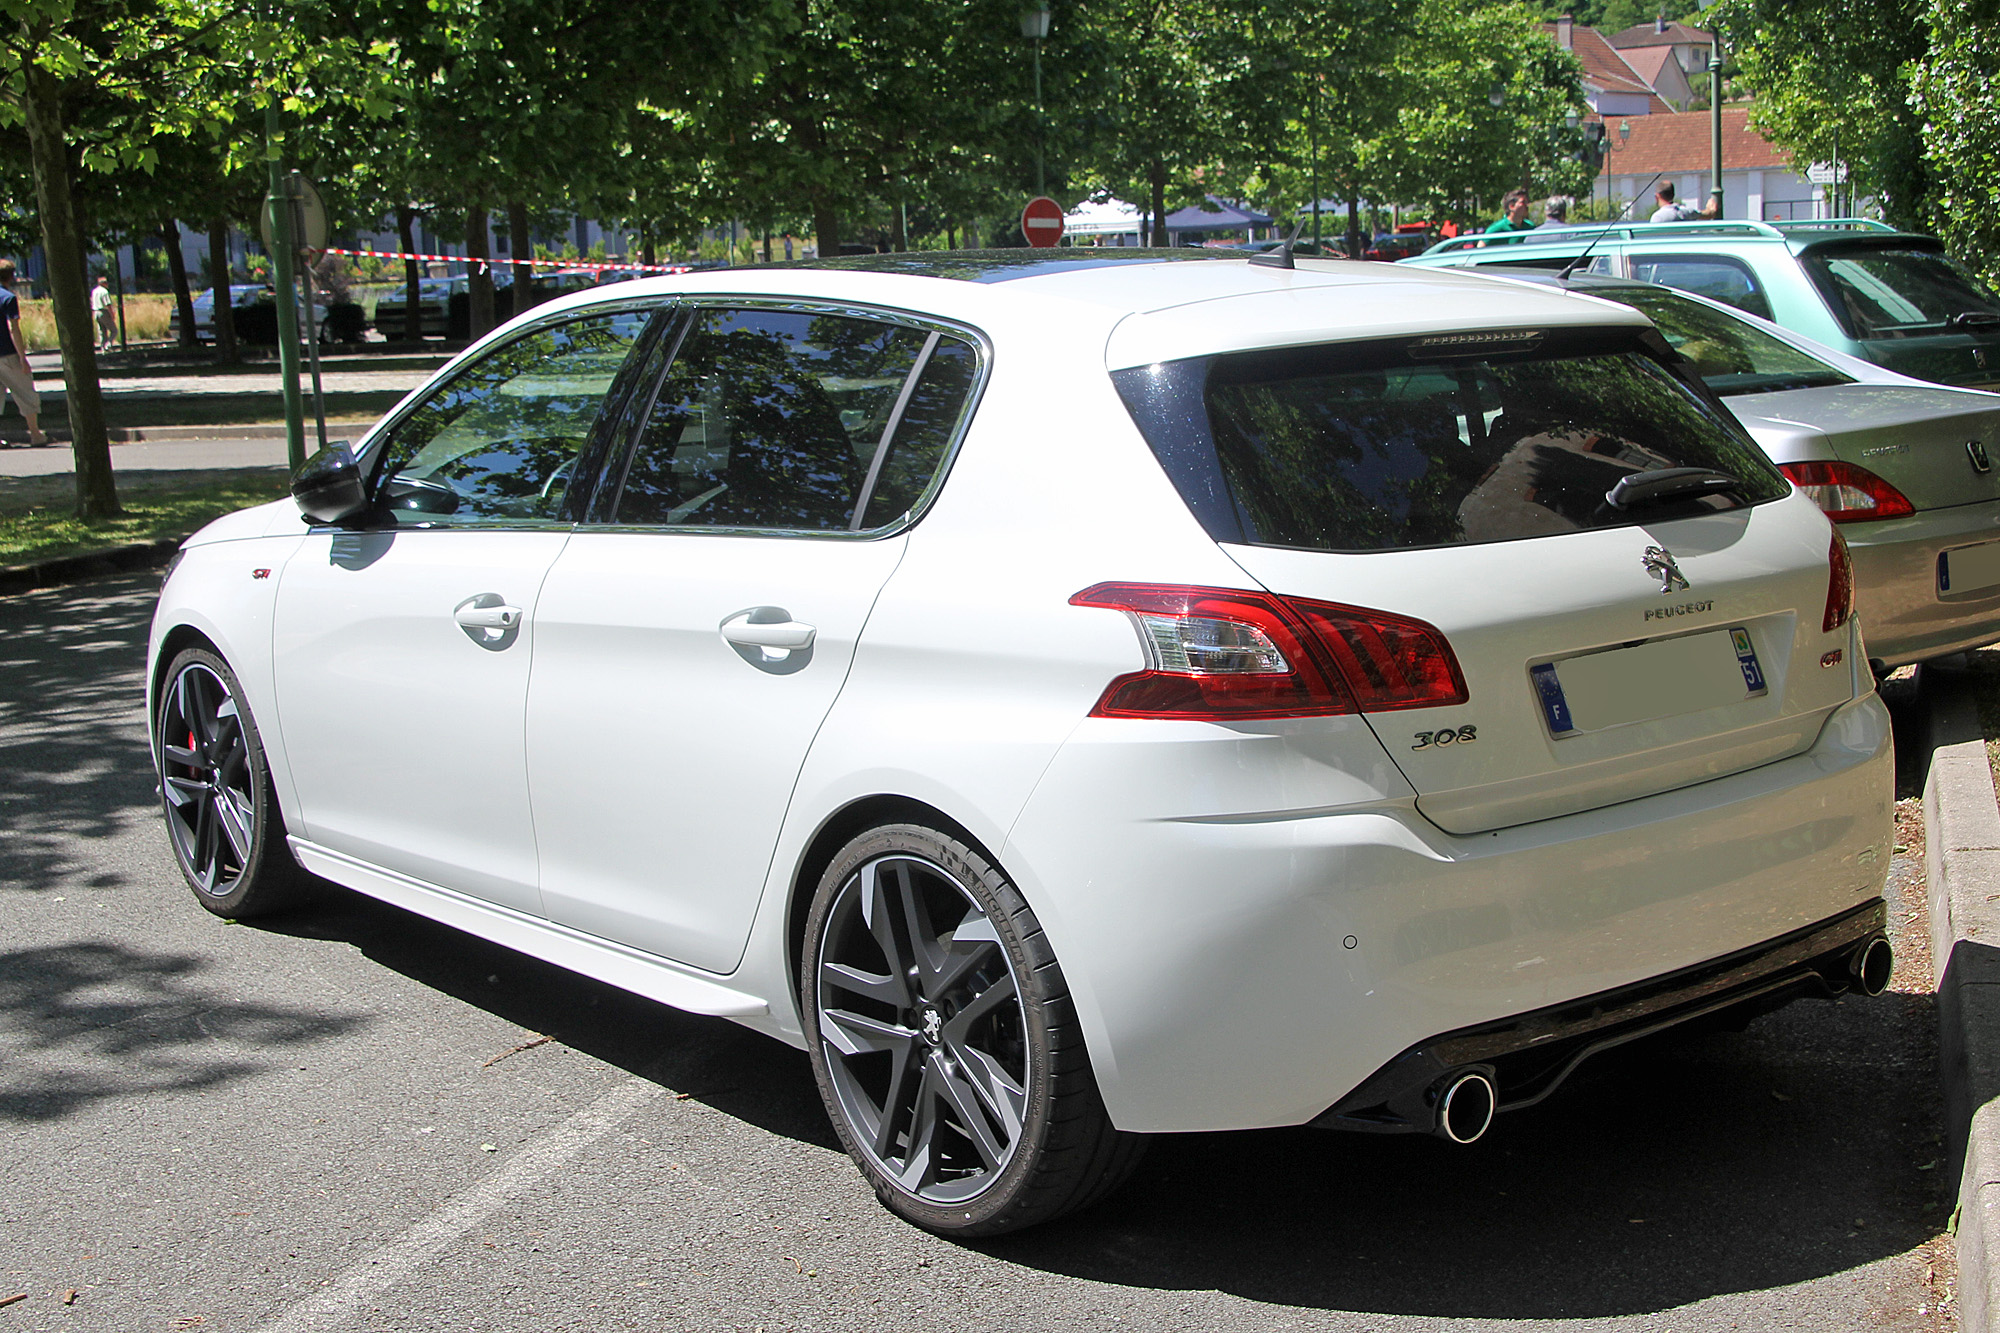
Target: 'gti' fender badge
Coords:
[[1976, 451], [1659, 561]]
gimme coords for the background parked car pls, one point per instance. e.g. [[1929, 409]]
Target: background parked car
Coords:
[[242, 295], [1904, 466], [1857, 286], [256, 317]]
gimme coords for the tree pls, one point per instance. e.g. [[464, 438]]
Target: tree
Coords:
[[1831, 82], [1955, 89]]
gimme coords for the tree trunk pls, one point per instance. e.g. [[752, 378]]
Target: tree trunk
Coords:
[[224, 322], [767, 242], [413, 275], [177, 273], [479, 290], [1158, 180], [899, 237], [1354, 246], [826, 229], [523, 247], [96, 489]]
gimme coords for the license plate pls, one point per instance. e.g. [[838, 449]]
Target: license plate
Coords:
[[1969, 568], [1653, 680]]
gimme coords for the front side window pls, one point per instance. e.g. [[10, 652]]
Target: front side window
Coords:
[[1717, 277], [1304, 448], [1731, 356], [1899, 293], [796, 421], [500, 440]]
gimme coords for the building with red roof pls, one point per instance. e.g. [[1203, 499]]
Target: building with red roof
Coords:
[[1758, 179]]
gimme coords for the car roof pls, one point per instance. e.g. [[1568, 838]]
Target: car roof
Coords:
[[1796, 236], [1140, 306]]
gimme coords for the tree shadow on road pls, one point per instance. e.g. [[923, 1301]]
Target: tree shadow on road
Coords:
[[74, 763], [91, 1021]]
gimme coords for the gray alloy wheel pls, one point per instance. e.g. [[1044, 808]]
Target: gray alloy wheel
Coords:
[[945, 1042], [216, 792]]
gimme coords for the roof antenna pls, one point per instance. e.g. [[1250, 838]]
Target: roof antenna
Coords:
[[1577, 263], [1282, 256]]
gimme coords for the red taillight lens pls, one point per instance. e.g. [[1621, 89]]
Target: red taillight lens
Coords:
[[1847, 493], [1839, 585], [1224, 653]]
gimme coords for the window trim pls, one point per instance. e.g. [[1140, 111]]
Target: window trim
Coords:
[[687, 308]]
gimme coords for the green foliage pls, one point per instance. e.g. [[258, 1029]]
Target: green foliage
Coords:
[[1953, 88]]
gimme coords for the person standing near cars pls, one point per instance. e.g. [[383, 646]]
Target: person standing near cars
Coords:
[[15, 377], [1669, 211], [1513, 213], [1555, 213], [107, 318]]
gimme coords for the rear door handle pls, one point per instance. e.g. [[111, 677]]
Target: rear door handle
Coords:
[[487, 617], [783, 634]]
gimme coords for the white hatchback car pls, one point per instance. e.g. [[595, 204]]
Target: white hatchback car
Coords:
[[1075, 696]]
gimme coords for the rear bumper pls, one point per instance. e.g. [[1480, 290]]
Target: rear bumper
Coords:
[[1896, 584], [1247, 944], [1531, 1054]]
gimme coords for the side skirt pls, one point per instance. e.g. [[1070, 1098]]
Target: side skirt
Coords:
[[629, 969]]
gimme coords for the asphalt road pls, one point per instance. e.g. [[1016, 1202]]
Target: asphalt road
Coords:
[[317, 1125]]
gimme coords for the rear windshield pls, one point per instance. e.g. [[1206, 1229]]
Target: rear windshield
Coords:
[[1731, 356], [1363, 449], [1900, 293]]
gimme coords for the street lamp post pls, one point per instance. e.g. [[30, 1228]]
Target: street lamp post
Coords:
[[1715, 108], [1035, 26]]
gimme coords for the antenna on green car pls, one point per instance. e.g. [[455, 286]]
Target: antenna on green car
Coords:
[[1577, 263]]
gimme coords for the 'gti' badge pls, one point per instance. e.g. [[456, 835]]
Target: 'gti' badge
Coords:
[[1659, 561], [1976, 451]]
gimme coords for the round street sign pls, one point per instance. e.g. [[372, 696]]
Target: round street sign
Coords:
[[311, 217], [1042, 222]]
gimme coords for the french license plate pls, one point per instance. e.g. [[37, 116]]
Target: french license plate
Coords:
[[1969, 568], [1652, 680]]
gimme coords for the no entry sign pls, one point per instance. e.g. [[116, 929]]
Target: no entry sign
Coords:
[[1042, 222]]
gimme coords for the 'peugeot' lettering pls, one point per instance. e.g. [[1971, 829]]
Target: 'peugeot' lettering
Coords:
[[1683, 609]]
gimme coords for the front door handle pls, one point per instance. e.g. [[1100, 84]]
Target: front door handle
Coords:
[[487, 617], [789, 635]]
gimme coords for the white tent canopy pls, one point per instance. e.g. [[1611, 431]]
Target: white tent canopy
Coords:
[[1112, 217]]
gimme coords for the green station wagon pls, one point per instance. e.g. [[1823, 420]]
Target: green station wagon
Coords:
[[1858, 286]]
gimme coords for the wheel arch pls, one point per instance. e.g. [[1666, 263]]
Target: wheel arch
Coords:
[[835, 832]]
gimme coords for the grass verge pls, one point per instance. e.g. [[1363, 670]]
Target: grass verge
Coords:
[[45, 531]]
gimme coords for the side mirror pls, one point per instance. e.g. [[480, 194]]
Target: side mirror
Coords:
[[328, 487]]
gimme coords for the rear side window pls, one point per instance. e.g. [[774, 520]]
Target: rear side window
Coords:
[[796, 421], [1899, 293], [1306, 448], [1718, 277]]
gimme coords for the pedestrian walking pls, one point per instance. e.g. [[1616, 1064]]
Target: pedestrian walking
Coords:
[[15, 377], [107, 318], [1513, 213], [1669, 211]]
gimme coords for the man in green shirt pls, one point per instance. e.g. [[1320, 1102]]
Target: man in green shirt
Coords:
[[1514, 213]]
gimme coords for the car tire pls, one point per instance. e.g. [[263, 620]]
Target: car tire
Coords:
[[945, 1042], [215, 790]]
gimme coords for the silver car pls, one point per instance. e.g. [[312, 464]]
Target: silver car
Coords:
[[1905, 467]]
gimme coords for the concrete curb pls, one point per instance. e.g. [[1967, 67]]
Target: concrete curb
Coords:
[[1962, 870], [90, 564]]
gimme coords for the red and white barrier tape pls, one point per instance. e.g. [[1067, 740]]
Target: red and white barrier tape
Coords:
[[497, 263]]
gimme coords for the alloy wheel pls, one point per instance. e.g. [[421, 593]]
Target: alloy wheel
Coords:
[[207, 779], [922, 1027]]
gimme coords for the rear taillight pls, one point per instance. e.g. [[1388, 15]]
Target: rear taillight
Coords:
[[1839, 585], [1224, 653], [1847, 493]]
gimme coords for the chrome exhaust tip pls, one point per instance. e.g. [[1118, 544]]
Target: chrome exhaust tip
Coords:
[[1872, 965], [1465, 1107]]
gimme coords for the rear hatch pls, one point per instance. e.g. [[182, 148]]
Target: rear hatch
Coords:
[[1936, 446], [1607, 652], [1909, 306]]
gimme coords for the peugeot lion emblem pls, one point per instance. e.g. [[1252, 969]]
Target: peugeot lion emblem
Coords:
[[1976, 451], [1660, 561]]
